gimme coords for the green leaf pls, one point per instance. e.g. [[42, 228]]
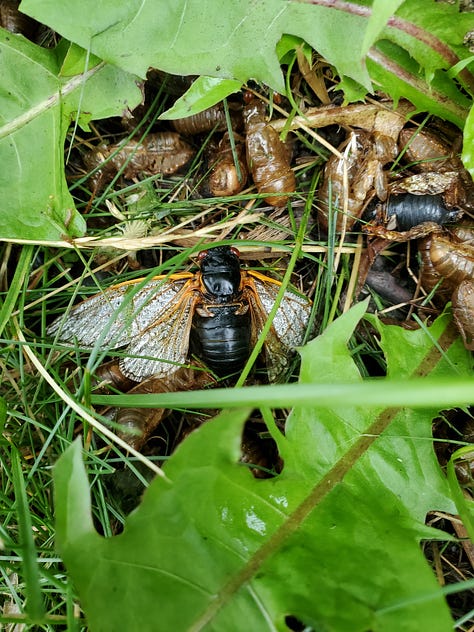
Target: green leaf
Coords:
[[237, 41], [464, 502], [38, 102], [213, 548], [397, 73], [433, 32], [468, 143], [204, 93], [382, 10], [29, 554]]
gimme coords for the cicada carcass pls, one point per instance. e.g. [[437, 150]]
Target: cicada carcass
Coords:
[[357, 174], [463, 311], [267, 156], [216, 313], [407, 210], [448, 257]]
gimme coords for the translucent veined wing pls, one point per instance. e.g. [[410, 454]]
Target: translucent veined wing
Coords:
[[88, 320], [162, 347], [153, 325], [289, 324]]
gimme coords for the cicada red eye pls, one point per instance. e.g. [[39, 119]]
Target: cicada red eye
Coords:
[[235, 251], [202, 255]]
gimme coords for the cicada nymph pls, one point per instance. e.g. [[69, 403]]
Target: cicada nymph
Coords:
[[161, 152], [216, 313], [357, 172], [463, 311], [448, 257], [267, 156]]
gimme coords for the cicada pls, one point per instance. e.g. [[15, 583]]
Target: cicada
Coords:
[[217, 313]]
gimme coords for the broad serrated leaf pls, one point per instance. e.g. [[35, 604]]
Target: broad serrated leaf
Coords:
[[239, 41], [39, 99], [212, 548], [236, 41], [398, 74]]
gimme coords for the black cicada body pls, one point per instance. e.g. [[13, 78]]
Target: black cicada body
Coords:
[[411, 210], [217, 313], [222, 322]]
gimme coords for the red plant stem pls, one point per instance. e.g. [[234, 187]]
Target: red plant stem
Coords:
[[400, 24]]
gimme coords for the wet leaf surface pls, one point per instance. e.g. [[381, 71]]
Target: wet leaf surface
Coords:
[[343, 519]]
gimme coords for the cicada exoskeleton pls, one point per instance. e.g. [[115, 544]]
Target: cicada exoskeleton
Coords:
[[268, 157], [158, 153], [216, 313]]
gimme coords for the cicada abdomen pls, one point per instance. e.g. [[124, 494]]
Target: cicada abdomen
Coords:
[[267, 156], [161, 152], [405, 211]]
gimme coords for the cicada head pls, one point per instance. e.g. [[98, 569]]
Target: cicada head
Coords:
[[220, 273]]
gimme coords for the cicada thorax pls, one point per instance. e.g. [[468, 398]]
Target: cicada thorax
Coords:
[[221, 329]]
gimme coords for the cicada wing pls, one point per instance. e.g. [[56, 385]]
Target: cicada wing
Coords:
[[114, 311], [289, 324], [162, 347]]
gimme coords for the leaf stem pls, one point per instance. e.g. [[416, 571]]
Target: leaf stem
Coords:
[[400, 24]]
